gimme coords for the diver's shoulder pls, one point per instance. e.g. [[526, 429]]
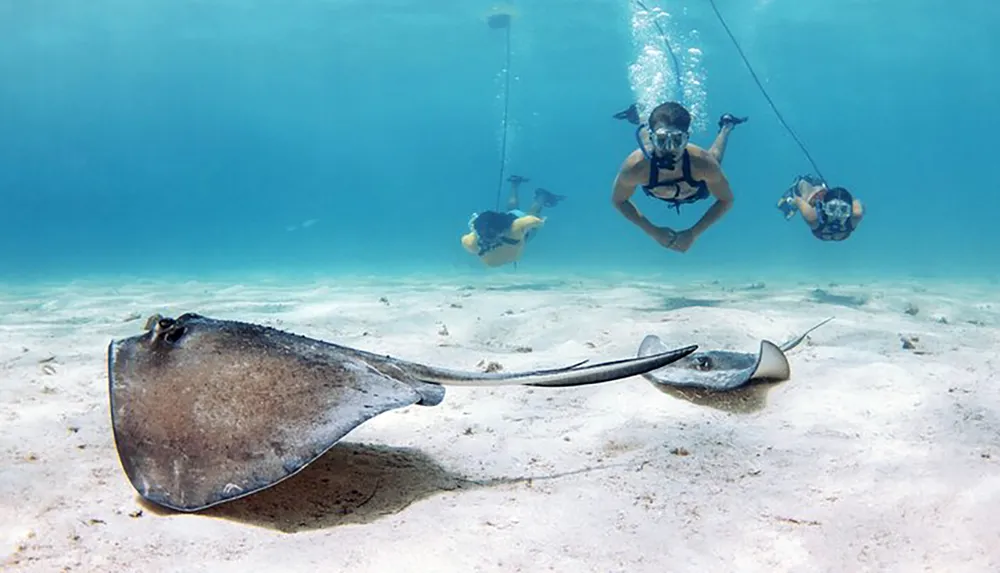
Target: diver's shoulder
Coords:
[[635, 162], [702, 159], [699, 154]]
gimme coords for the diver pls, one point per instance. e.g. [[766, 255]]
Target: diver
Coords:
[[674, 171], [832, 214], [498, 238]]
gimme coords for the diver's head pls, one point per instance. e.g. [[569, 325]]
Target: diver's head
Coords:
[[490, 225], [837, 204], [668, 129]]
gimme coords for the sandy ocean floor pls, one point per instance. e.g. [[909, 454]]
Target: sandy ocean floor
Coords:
[[873, 457]]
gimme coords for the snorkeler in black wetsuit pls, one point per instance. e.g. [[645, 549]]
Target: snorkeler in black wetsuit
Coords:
[[663, 143], [832, 214]]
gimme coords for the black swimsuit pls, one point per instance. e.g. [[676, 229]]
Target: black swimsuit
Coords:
[[701, 187], [832, 230], [827, 230], [485, 247]]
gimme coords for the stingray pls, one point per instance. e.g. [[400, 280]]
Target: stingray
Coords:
[[722, 379], [205, 411]]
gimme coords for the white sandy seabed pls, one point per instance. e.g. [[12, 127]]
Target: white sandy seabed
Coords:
[[872, 457]]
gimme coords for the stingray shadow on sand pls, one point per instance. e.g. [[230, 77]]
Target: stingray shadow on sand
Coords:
[[351, 484]]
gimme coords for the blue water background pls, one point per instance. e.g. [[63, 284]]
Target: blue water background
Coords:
[[195, 138]]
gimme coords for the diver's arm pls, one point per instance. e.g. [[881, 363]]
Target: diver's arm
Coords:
[[718, 186], [807, 210], [629, 175], [858, 212], [469, 243], [805, 193]]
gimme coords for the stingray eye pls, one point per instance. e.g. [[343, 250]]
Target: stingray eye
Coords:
[[704, 363], [165, 323], [175, 335]]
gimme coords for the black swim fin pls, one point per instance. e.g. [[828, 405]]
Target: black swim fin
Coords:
[[631, 114], [731, 120], [546, 198], [786, 204]]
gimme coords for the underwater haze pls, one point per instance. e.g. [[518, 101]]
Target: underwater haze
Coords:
[[335, 137]]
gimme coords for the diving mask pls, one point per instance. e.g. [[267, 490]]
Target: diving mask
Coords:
[[836, 209], [667, 140]]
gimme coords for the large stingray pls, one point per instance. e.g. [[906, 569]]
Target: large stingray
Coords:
[[722, 379], [205, 411]]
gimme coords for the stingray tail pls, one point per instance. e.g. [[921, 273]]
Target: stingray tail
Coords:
[[568, 376], [798, 340]]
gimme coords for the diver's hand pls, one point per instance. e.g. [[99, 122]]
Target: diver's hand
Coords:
[[665, 236], [683, 241]]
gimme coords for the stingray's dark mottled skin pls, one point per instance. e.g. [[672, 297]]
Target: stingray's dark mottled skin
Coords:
[[722, 379], [206, 411], [716, 370]]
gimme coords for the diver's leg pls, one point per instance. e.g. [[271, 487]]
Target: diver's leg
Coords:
[[545, 198], [536, 208], [807, 190], [726, 125], [514, 201], [802, 201], [807, 210]]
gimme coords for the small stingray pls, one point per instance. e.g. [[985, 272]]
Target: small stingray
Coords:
[[822, 296], [721, 379], [205, 411]]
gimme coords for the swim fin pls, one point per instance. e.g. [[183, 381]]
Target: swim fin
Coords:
[[631, 114], [786, 204], [547, 198]]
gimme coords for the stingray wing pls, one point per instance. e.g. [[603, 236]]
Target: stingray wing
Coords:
[[228, 409], [711, 370]]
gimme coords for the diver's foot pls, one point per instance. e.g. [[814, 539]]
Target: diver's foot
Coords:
[[786, 204], [547, 198], [517, 179], [731, 120], [631, 114]]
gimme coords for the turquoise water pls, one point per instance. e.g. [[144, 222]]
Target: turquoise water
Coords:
[[194, 138]]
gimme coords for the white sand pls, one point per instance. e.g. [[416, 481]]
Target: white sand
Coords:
[[871, 458]]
